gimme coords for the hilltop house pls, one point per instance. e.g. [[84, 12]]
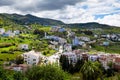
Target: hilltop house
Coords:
[[57, 39], [55, 28], [32, 57], [53, 59], [8, 34], [70, 34], [24, 46], [61, 30], [95, 35], [115, 37], [86, 39], [105, 43], [75, 41], [93, 57], [67, 47], [81, 43], [2, 30], [16, 32], [72, 58]]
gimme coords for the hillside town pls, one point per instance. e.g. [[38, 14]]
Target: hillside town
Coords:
[[59, 39], [65, 48], [69, 49]]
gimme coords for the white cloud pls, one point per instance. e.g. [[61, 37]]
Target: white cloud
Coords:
[[111, 19], [81, 12], [7, 9]]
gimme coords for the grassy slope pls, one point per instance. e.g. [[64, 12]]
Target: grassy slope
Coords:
[[29, 39]]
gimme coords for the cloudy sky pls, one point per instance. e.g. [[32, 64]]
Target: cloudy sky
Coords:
[[69, 11]]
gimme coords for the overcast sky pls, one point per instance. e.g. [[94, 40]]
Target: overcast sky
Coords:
[[68, 11]]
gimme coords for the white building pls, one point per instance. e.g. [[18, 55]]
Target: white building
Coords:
[[53, 59], [75, 41], [79, 53], [72, 57], [17, 32], [55, 28], [2, 30], [67, 47], [62, 40], [70, 34], [9, 33], [45, 35], [106, 43], [87, 39], [61, 49], [93, 57], [96, 36], [32, 57], [24, 46], [81, 43]]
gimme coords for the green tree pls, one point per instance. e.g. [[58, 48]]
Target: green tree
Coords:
[[78, 65], [2, 73], [19, 76], [110, 71], [5, 75], [38, 32], [71, 68], [47, 72], [19, 60], [90, 70], [64, 62]]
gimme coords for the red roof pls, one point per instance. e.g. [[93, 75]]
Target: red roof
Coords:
[[117, 59], [117, 67]]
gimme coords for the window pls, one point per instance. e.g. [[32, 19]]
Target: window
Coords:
[[25, 55], [34, 59]]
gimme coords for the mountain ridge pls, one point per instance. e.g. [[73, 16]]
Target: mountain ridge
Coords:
[[31, 19]]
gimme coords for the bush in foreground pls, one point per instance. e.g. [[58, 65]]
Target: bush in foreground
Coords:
[[48, 72]]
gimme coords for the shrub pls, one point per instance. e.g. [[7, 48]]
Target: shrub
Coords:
[[4, 51], [47, 72], [2, 45]]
